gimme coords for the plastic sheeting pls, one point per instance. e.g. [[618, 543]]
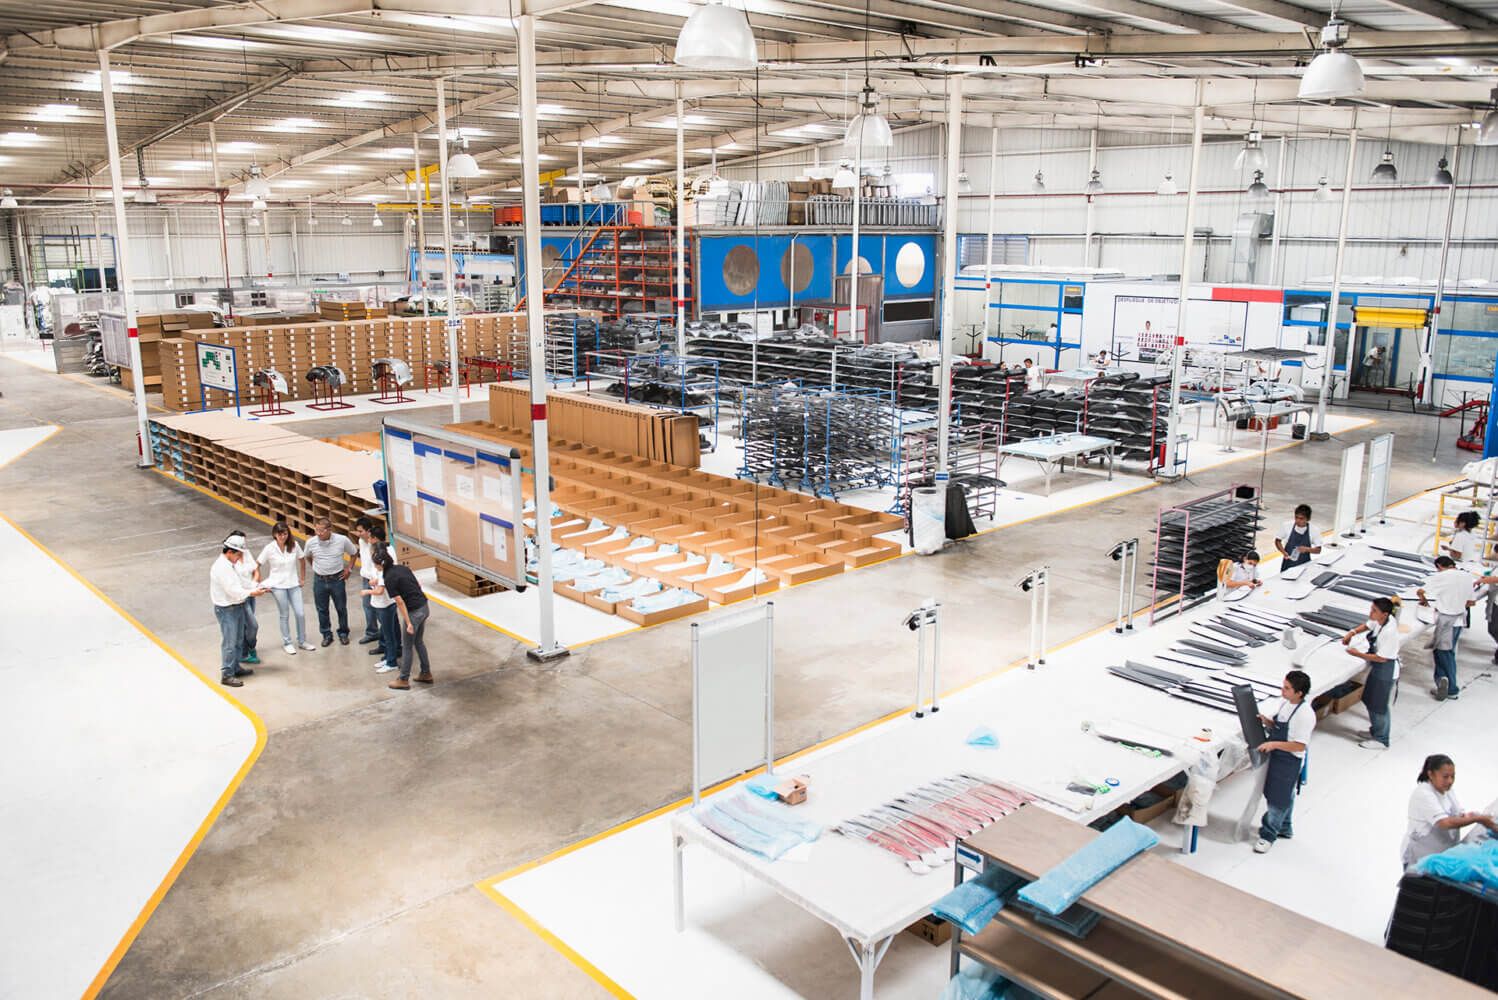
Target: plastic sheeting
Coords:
[[1464, 863], [1063, 885]]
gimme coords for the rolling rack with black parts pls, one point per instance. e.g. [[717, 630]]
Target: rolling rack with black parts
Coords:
[[1191, 538]]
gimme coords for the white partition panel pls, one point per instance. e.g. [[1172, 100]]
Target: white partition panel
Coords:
[[733, 696], [1380, 464], [1348, 489]]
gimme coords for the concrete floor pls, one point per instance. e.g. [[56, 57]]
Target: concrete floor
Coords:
[[345, 865]]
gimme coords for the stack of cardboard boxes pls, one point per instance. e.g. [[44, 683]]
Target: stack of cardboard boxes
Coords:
[[643, 431], [353, 346], [799, 192], [153, 328]]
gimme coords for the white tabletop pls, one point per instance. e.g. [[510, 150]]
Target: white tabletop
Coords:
[[1057, 446], [868, 894]]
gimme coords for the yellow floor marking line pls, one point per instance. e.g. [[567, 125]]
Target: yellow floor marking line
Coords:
[[218, 807]]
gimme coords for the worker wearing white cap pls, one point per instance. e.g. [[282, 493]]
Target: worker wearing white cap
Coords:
[[229, 593], [249, 574]]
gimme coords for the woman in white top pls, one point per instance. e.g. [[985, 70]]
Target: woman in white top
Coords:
[[284, 570], [386, 613], [1436, 818], [1464, 546], [1241, 577]]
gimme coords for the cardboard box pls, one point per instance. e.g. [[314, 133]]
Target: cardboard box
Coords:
[[657, 617], [932, 929]]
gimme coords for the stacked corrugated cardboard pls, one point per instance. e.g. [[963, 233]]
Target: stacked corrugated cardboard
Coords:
[[642, 431], [153, 328], [294, 348]]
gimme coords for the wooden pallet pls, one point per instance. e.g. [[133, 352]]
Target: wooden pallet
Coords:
[[465, 582]]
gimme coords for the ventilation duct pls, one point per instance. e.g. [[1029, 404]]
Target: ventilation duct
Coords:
[[1249, 229]]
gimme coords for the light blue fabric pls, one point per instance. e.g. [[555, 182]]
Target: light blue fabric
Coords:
[[639, 543], [610, 577], [983, 737], [976, 982], [596, 525], [741, 819], [1064, 884], [1475, 862], [586, 567], [763, 785], [974, 903], [627, 591], [663, 601]]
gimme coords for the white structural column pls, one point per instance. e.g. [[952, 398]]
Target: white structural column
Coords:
[[993, 197], [1188, 238], [1091, 166], [1329, 349], [223, 229], [122, 261], [949, 272], [1426, 374], [530, 182], [1279, 200], [98, 249], [454, 320], [853, 263], [681, 226], [419, 189]]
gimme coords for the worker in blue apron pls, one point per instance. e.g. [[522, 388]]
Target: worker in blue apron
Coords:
[[1288, 725], [1298, 540]]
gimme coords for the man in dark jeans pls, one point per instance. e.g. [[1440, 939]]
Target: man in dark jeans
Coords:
[[328, 553]]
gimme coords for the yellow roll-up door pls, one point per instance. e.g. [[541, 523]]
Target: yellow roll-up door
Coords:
[[1399, 319]]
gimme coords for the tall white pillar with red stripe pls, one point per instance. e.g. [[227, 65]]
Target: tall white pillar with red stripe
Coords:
[[122, 262], [535, 315]]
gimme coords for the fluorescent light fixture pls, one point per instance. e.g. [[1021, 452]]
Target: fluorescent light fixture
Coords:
[[1487, 129], [1323, 190], [238, 146], [1333, 73], [1442, 175], [393, 153], [190, 165], [869, 130], [293, 125], [12, 140], [1386, 172], [645, 164], [194, 41], [717, 37], [117, 78], [1094, 183], [1168, 185], [1039, 186], [56, 112], [362, 97], [8, 199]]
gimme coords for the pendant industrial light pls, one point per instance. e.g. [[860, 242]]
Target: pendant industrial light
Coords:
[[254, 220], [347, 220], [1323, 190], [1442, 176], [1487, 131], [964, 184], [844, 178], [259, 205], [1168, 184], [143, 194], [377, 222], [8, 199], [601, 191], [1095, 183], [1251, 157], [462, 166], [717, 37], [1258, 190], [869, 130], [1333, 73], [1039, 186], [1386, 172], [257, 187], [311, 216]]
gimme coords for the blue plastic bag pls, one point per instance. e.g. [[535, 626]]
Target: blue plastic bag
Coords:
[[1464, 863], [1064, 884]]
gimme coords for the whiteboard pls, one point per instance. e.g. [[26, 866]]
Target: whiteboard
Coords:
[[1348, 487], [1380, 461], [732, 696], [114, 337], [1144, 326], [217, 367]]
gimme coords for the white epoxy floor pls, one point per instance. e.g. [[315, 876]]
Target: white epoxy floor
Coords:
[[118, 757], [610, 900]]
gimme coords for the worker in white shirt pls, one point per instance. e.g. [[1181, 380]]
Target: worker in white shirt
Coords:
[[1464, 546], [1288, 725], [1298, 540], [1452, 591], [1436, 818], [1242, 575], [228, 592], [249, 574], [1033, 376], [1382, 657], [1101, 359]]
